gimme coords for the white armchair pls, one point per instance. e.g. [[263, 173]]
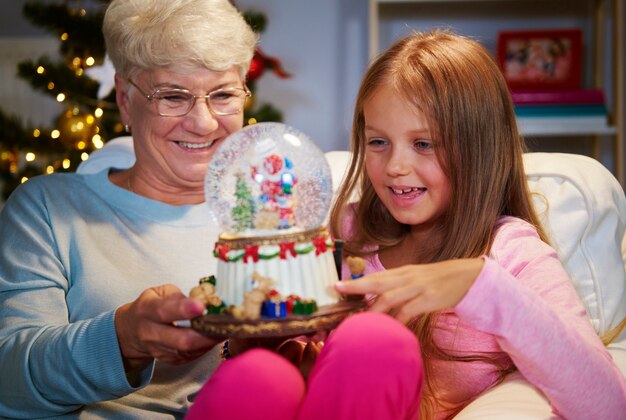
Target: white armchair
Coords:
[[583, 208]]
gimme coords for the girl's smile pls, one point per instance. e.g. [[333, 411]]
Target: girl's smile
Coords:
[[406, 196]]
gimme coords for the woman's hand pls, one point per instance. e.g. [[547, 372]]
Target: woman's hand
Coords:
[[411, 290], [145, 328]]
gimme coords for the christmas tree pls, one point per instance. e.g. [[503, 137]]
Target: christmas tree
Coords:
[[81, 78], [244, 210]]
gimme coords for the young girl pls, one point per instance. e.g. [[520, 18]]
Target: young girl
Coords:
[[453, 249]]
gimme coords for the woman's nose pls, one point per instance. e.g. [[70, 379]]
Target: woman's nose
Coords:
[[201, 119]]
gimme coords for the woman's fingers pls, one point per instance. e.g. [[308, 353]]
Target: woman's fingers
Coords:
[[145, 327], [166, 304]]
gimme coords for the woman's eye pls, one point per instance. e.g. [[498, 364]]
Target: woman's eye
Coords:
[[222, 96], [174, 96]]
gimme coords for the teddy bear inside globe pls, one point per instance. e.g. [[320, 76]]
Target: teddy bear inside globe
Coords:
[[269, 187]]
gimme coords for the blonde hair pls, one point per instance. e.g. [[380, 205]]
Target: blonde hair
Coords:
[[456, 83], [148, 34]]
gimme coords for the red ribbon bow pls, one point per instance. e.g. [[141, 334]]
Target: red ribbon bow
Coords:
[[222, 252], [251, 251], [320, 245], [287, 247]]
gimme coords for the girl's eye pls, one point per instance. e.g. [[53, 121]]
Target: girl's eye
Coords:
[[376, 142], [423, 145]]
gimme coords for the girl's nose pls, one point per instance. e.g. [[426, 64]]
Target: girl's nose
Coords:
[[398, 163]]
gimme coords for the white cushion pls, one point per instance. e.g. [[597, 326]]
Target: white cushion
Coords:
[[513, 399], [117, 153], [585, 216]]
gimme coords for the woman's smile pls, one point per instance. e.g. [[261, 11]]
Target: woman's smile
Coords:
[[195, 146]]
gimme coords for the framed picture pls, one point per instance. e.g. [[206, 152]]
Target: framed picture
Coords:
[[540, 60]]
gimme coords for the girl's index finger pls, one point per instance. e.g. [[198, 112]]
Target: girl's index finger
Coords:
[[363, 285]]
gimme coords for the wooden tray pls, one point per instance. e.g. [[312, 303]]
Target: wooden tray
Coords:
[[326, 318]]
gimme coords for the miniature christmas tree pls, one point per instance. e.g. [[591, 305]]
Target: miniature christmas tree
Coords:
[[244, 210]]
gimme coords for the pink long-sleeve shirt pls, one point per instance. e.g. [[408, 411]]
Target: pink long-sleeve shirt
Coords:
[[523, 310]]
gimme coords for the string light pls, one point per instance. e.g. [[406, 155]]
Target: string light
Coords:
[[78, 126], [84, 156], [97, 141], [66, 163], [36, 133], [50, 85], [30, 156], [55, 134], [98, 112], [40, 70], [24, 179], [49, 169], [90, 61], [60, 97], [64, 36]]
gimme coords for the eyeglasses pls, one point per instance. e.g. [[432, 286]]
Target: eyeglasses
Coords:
[[174, 102]]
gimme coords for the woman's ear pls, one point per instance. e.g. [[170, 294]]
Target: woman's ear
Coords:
[[121, 97]]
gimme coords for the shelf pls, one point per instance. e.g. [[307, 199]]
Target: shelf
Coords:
[[535, 127]]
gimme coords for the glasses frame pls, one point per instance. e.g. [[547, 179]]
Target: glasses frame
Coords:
[[150, 97]]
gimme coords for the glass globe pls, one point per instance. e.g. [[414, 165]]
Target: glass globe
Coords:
[[268, 178]]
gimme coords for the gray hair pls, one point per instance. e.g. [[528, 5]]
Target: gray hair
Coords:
[[149, 34]]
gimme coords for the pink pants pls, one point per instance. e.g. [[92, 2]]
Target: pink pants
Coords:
[[370, 367]]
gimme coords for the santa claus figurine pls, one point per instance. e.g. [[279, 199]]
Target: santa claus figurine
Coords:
[[276, 181]]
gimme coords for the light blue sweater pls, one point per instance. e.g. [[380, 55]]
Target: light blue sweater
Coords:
[[72, 249]]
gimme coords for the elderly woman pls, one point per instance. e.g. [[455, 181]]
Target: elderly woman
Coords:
[[94, 267]]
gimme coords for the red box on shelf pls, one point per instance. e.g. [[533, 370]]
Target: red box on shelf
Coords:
[[573, 96], [541, 59]]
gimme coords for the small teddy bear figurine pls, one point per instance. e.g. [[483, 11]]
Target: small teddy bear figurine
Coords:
[[356, 265], [253, 299], [205, 292]]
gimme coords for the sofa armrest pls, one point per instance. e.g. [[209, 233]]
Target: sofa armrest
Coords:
[[513, 399], [516, 399]]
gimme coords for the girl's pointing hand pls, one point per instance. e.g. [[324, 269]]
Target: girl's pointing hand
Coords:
[[411, 290]]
